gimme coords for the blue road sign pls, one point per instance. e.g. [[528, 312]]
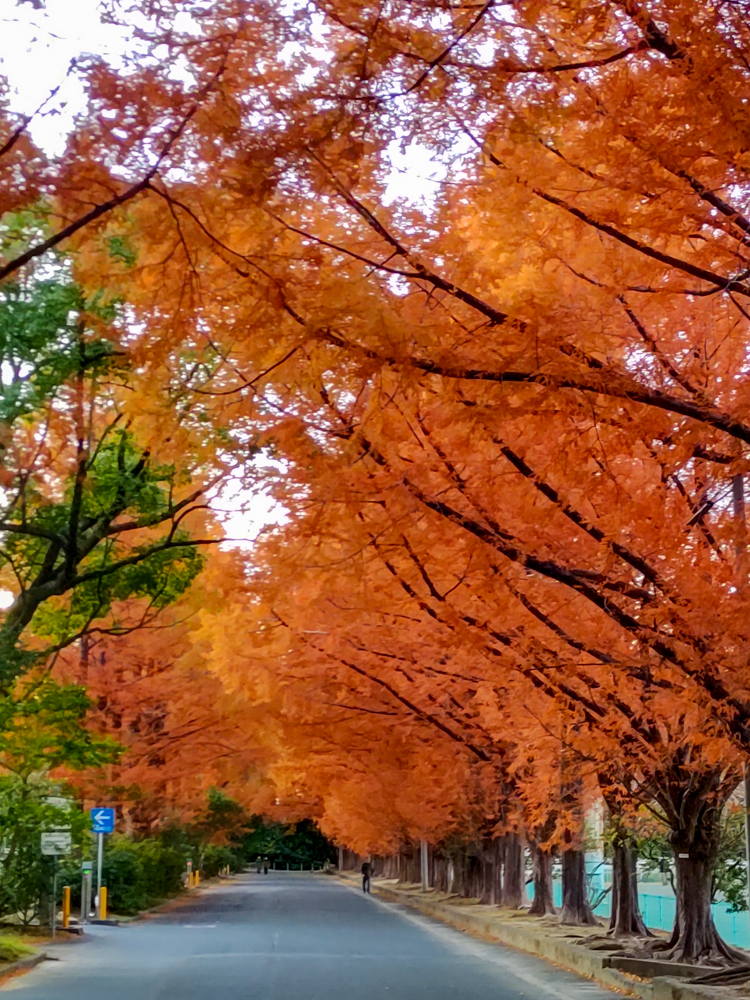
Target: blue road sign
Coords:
[[102, 820]]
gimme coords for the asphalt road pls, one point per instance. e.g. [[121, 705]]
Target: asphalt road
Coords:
[[293, 937]]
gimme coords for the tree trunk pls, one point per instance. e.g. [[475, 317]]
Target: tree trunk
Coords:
[[440, 873], [695, 837], [541, 867], [457, 874], [491, 869], [694, 937], [475, 876], [626, 916], [576, 909], [513, 872]]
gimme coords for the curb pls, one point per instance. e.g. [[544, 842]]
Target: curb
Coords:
[[532, 940], [24, 964], [528, 934], [208, 883]]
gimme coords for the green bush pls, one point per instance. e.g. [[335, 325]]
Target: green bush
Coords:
[[214, 858], [140, 873], [137, 874], [12, 948]]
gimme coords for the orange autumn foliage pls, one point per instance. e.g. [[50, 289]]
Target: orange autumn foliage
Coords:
[[508, 421]]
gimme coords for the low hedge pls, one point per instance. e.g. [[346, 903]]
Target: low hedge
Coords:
[[137, 874]]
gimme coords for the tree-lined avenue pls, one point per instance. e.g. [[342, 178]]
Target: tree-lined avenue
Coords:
[[288, 937]]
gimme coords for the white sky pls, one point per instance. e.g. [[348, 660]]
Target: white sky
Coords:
[[36, 50], [38, 46]]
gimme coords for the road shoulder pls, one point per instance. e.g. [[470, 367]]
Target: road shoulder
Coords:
[[542, 937]]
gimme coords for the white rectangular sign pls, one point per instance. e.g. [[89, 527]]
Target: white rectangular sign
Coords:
[[58, 801], [56, 842]]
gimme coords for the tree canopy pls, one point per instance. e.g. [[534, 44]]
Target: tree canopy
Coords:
[[505, 412]]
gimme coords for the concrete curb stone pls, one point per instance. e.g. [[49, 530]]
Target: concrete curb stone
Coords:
[[24, 964]]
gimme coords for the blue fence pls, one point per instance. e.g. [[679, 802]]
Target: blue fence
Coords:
[[658, 913]]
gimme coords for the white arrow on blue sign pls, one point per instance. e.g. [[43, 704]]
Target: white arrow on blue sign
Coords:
[[102, 820]]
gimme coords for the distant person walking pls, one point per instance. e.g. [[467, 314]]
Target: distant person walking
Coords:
[[258, 864], [366, 876], [265, 866]]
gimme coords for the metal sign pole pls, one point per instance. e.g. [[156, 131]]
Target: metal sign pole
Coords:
[[102, 821], [53, 921], [740, 550], [99, 856], [86, 867]]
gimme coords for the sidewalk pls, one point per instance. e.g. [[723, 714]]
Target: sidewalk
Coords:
[[580, 949]]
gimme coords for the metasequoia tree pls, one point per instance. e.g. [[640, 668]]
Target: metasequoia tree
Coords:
[[590, 358], [180, 730], [570, 326], [423, 625], [182, 734], [378, 755], [545, 359]]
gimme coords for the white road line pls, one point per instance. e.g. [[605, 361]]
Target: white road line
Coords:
[[307, 955]]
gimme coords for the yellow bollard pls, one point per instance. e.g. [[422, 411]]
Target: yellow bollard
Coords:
[[198, 877], [191, 880], [66, 906], [103, 903]]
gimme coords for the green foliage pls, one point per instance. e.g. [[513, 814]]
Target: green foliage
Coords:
[[12, 948], [214, 839], [160, 577], [25, 873], [729, 877], [215, 857], [68, 524], [224, 820], [298, 844], [121, 249], [41, 345], [118, 479], [137, 873], [42, 727], [43, 319]]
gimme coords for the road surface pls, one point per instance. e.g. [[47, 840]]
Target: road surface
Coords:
[[292, 937]]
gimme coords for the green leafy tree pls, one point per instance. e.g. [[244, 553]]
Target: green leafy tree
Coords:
[[88, 522], [730, 874], [41, 728], [137, 873], [297, 844]]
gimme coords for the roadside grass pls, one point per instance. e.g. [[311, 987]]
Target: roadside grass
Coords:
[[14, 946]]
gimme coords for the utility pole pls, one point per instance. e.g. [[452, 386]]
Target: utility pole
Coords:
[[424, 855], [740, 548], [86, 867], [53, 920]]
